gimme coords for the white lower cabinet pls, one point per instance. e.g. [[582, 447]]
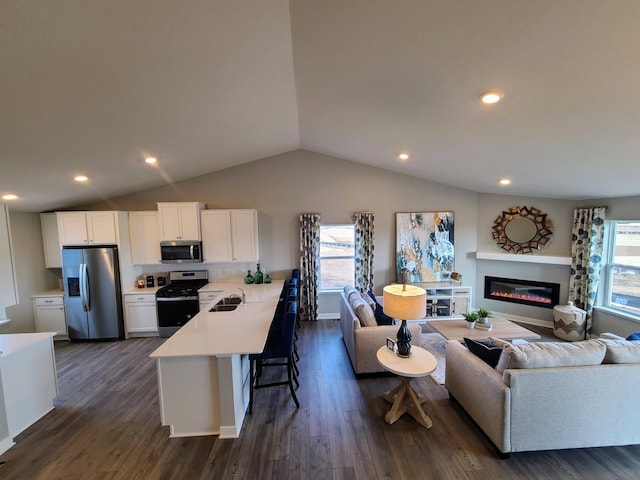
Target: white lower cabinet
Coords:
[[445, 301], [49, 315], [141, 317], [205, 298]]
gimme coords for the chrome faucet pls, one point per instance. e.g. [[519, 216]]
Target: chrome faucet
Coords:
[[244, 297]]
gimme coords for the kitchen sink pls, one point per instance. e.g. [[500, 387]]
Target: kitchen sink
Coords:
[[226, 304], [229, 301], [222, 307]]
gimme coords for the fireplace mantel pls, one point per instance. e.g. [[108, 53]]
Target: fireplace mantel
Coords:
[[512, 257]]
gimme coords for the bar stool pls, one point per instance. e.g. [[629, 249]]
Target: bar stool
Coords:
[[277, 347]]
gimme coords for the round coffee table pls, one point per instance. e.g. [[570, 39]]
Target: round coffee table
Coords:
[[404, 398]]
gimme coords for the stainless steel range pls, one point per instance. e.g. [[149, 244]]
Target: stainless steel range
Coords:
[[178, 302]]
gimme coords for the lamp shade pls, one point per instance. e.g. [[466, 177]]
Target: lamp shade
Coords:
[[405, 302]]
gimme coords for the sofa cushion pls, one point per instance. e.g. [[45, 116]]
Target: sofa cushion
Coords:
[[370, 301], [490, 354], [549, 354], [351, 292], [363, 311], [621, 351], [381, 317]]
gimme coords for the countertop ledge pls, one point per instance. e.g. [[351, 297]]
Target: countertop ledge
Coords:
[[51, 293], [243, 330]]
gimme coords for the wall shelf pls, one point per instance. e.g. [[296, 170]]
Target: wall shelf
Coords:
[[511, 257]]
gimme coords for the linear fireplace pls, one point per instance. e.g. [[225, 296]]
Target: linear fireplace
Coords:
[[527, 292]]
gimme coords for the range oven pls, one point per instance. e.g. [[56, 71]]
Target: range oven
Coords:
[[177, 303]]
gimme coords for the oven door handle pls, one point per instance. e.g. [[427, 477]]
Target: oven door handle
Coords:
[[176, 299]]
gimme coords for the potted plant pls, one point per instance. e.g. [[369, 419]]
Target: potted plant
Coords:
[[471, 318], [483, 315]]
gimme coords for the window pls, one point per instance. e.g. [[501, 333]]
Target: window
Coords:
[[337, 256], [622, 274]]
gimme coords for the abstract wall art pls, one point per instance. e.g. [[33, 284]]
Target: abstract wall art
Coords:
[[424, 246]]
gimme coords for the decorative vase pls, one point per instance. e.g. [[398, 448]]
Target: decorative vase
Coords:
[[471, 325], [249, 278], [267, 278], [258, 277], [404, 340]]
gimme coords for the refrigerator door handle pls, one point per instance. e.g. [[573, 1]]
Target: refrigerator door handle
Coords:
[[84, 288]]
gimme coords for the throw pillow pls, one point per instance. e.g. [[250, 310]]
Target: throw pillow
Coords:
[[549, 354], [621, 351], [363, 312], [633, 336], [488, 353], [381, 317]]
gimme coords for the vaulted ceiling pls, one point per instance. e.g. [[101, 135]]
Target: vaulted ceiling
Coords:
[[93, 87]]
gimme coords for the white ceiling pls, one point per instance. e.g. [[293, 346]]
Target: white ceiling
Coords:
[[92, 87]]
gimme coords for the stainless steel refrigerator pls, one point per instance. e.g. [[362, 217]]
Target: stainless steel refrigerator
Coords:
[[93, 300]]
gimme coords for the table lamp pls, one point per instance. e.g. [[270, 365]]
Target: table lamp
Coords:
[[405, 302]]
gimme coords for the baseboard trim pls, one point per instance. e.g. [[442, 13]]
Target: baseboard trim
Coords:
[[329, 316]]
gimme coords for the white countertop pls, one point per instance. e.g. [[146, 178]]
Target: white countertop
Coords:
[[243, 330], [134, 291], [51, 293], [14, 342]]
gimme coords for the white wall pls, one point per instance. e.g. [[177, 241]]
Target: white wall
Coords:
[[284, 186], [560, 212]]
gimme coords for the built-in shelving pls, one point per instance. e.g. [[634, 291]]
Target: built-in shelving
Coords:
[[511, 257]]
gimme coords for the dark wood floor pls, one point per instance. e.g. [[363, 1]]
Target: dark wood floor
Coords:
[[106, 426]]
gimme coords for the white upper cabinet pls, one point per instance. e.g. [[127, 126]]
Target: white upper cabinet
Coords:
[[216, 236], [179, 220], [101, 227], [244, 233], [144, 235], [72, 228], [51, 240], [230, 235], [87, 228]]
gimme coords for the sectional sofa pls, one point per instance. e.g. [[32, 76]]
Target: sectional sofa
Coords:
[[361, 340], [589, 402]]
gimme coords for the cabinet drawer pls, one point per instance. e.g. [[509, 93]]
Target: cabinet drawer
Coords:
[[208, 296], [140, 298], [461, 291], [47, 301]]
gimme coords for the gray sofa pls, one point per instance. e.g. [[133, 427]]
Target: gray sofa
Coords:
[[547, 408], [363, 342]]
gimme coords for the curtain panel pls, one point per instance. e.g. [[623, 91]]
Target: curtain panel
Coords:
[[364, 247], [309, 264], [586, 259]]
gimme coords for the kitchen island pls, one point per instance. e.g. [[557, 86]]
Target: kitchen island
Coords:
[[203, 369], [28, 382]]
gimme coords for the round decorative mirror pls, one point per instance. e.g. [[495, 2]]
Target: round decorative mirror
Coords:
[[522, 229]]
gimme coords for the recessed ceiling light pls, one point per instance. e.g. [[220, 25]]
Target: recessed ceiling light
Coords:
[[403, 156], [492, 96], [505, 181], [151, 160], [10, 196], [81, 178]]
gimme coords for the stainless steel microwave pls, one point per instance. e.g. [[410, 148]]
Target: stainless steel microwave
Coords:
[[181, 251]]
